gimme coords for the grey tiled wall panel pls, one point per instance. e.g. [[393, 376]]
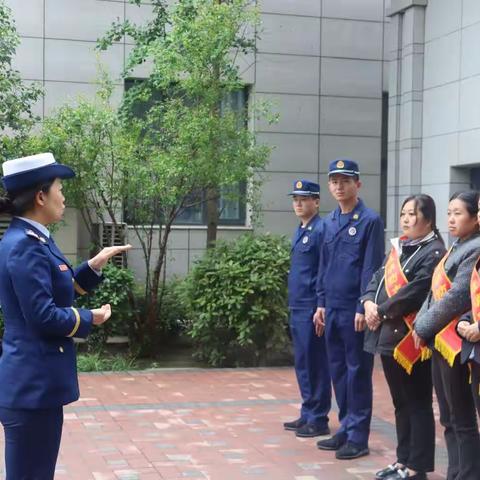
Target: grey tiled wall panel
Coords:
[[292, 7], [292, 152], [287, 74], [289, 35], [298, 113], [80, 20], [351, 78], [340, 38], [371, 10], [350, 116]]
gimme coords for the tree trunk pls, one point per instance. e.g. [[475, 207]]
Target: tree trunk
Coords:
[[212, 216]]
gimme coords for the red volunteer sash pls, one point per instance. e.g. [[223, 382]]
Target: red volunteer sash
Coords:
[[447, 342], [475, 296], [475, 293], [405, 352]]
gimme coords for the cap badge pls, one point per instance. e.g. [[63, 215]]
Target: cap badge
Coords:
[[299, 184], [352, 231], [305, 240], [340, 164]]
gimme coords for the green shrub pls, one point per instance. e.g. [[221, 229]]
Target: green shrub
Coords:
[[96, 362], [115, 289], [237, 299], [173, 310]]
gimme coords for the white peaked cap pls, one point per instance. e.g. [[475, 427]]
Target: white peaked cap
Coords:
[[24, 164]]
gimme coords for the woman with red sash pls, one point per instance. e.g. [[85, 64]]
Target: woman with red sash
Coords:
[[436, 325], [395, 294], [469, 329]]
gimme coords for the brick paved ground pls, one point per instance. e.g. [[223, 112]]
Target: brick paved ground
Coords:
[[207, 424]]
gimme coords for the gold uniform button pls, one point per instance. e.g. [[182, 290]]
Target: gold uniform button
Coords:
[[61, 349]]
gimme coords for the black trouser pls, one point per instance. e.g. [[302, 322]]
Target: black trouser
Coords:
[[458, 417], [476, 384], [414, 421]]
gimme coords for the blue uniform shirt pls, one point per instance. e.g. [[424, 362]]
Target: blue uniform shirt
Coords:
[[302, 279], [352, 251], [37, 290]]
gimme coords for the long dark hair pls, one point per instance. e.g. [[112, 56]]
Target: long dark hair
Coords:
[[426, 205], [17, 203]]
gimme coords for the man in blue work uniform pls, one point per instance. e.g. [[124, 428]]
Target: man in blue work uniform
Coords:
[[311, 362], [353, 249]]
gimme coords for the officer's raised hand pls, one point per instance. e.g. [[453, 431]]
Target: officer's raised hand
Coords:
[[102, 314], [360, 322], [101, 259]]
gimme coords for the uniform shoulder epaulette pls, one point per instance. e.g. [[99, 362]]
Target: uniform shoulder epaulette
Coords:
[[33, 234]]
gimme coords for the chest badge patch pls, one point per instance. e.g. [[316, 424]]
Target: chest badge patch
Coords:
[[305, 240], [352, 231], [63, 267]]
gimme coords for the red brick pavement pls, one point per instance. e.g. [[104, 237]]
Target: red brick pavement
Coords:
[[208, 424]]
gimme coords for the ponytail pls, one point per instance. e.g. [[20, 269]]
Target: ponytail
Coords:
[[436, 231], [6, 205], [17, 203]]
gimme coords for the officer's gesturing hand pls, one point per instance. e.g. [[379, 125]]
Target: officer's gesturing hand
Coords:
[[102, 314], [360, 323], [319, 321], [101, 259]]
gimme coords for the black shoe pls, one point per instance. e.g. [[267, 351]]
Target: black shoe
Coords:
[[295, 425], [386, 472], [310, 430], [351, 450], [333, 443], [402, 473]]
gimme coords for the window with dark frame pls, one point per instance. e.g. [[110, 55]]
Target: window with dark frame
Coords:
[[232, 201]]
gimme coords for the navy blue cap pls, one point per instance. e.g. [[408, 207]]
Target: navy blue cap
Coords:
[[344, 166], [305, 188], [26, 172]]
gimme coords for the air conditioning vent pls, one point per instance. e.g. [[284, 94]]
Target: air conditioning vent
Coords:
[[4, 223]]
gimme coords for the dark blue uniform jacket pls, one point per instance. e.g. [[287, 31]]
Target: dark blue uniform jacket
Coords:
[[351, 254], [302, 279], [37, 290]]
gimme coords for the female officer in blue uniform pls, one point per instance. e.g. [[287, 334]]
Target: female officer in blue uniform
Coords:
[[353, 249], [311, 363], [37, 288]]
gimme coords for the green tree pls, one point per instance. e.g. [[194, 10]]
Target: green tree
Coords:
[[188, 139], [16, 97], [91, 138]]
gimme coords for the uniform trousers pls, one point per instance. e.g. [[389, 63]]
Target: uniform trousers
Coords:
[[414, 420], [351, 370], [458, 417], [32, 442], [311, 367]]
